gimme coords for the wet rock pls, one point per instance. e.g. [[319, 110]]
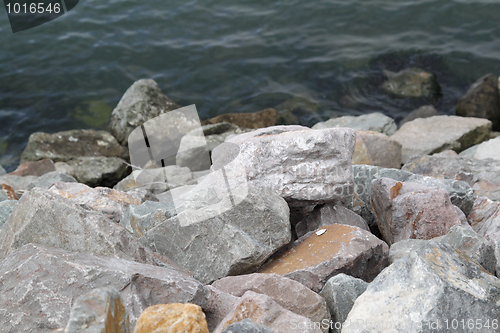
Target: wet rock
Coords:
[[424, 293], [338, 249], [289, 294], [39, 284], [141, 102], [411, 82], [297, 110], [425, 111], [6, 208], [376, 122], [247, 326], [188, 318], [23, 184], [482, 100], [263, 310], [100, 310], [431, 135], [376, 149], [37, 168], [64, 146], [327, 214], [411, 210], [261, 119], [485, 150], [304, 167], [340, 293], [404, 247], [139, 219]]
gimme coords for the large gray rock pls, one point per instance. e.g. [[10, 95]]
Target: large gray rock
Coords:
[[64, 146], [376, 122], [425, 136], [425, 111], [425, 292], [402, 248], [6, 208], [484, 150], [140, 219], [340, 293], [23, 184], [141, 102], [482, 100], [304, 167], [247, 326], [411, 82], [411, 210], [482, 176], [376, 149], [39, 285]]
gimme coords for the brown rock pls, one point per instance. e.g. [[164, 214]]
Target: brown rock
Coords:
[[377, 149], [36, 168], [165, 318], [339, 249], [9, 191], [264, 118], [288, 293]]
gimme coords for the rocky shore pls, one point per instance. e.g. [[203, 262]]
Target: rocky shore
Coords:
[[357, 224]]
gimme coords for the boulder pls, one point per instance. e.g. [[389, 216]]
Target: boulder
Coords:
[[36, 168], [100, 310], [39, 284], [411, 210], [340, 293], [487, 149], [218, 306], [141, 102], [188, 318], [289, 294], [22, 184], [304, 167], [431, 290], [138, 219], [376, 122], [6, 208], [246, 326], [425, 136], [411, 82], [263, 310], [261, 119], [402, 248], [64, 146], [425, 111], [332, 250], [482, 100], [376, 149], [323, 215]]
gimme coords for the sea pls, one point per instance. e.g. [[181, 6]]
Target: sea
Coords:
[[238, 56]]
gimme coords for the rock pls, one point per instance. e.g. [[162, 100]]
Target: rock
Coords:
[[327, 214], [425, 136], [261, 119], [6, 208], [376, 122], [141, 102], [36, 168], [39, 284], [23, 184], [289, 294], [218, 133], [482, 176], [297, 110], [339, 249], [404, 247], [100, 310], [95, 171], [482, 100], [263, 310], [485, 150], [139, 219], [411, 82], [247, 326], [425, 292], [449, 153], [111, 203], [64, 146], [376, 149], [461, 194], [411, 210], [188, 318], [340, 293], [2, 171], [218, 236], [425, 111], [142, 195], [304, 167], [218, 306], [73, 227]]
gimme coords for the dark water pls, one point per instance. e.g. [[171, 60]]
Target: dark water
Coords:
[[237, 56]]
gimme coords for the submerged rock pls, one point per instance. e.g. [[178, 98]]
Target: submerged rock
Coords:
[[425, 111], [411, 82], [376, 122], [261, 119]]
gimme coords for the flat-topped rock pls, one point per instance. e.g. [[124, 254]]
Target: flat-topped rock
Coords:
[[376, 122]]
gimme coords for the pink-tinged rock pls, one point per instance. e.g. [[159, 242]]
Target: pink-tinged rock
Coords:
[[412, 211], [37, 168], [263, 310], [377, 149], [289, 294], [218, 306], [337, 249]]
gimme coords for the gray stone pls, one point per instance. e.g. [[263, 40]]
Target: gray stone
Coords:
[[425, 136], [482, 100], [218, 306], [402, 248], [3, 195], [376, 149], [139, 219], [376, 122], [64, 146], [23, 184], [247, 326], [141, 102], [2, 171], [431, 286], [484, 150], [411, 82], [6, 208], [142, 195], [340, 293], [450, 153], [39, 284], [425, 111], [100, 310]]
